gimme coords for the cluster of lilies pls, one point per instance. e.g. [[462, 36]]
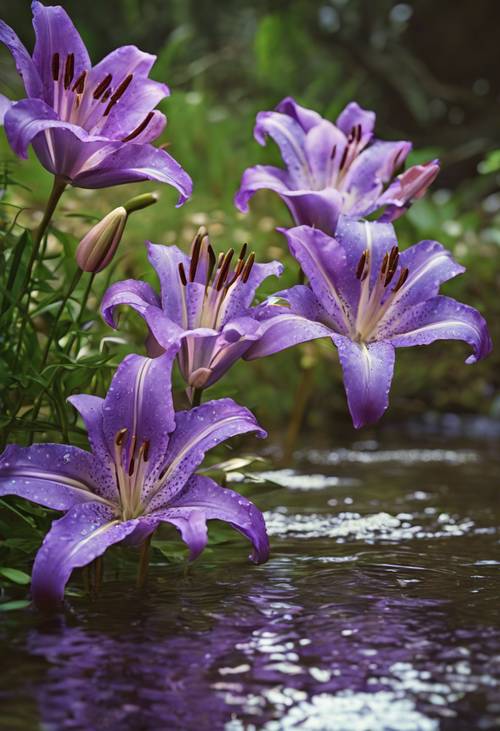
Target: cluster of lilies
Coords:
[[92, 127]]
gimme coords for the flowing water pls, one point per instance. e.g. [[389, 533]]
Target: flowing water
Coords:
[[378, 610]]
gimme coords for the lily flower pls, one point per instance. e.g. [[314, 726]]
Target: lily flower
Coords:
[[333, 169], [369, 298], [204, 307], [89, 125], [138, 475]]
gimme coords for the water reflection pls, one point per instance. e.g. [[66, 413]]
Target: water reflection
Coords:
[[376, 611]]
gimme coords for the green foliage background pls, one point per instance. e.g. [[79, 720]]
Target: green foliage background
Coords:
[[428, 69]]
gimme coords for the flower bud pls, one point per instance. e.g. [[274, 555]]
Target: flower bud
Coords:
[[140, 201], [99, 245]]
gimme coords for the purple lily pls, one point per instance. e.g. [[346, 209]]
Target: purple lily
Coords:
[[205, 307], [369, 298], [138, 475], [333, 169], [89, 125]]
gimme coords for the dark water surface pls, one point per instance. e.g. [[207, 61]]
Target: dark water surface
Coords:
[[378, 610]]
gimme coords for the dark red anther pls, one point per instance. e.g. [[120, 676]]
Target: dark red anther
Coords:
[[195, 256], [102, 86], [224, 269], [243, 251], [55, 67], [69, 70], [79, 84], [361, 264], [140, 128], [120, 437], [333, 152], [344, 157], [211, 262], [182, 274], [248, 268], [359, 133], [402, 279], [145, 450], [118, 93]]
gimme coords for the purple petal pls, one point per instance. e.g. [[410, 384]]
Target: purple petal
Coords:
[[56, 476], [290, 138], [307, 118], [316, 208], [369, 171], [5, 105], [140, 400], [130, 163], [135, 109], [138, 295], [325, 146], [409, 186], [429, 265], [443, 318], [190, 522], [353, 115], [28, 118], [90, 409], [321, 258], [368, 370], [241, 294], [55, 33], [260, 177], [167, 333], [26, 69], [197, 431], [165, 260], [74, 540], [284, 331], [233, 342], [218, 503]]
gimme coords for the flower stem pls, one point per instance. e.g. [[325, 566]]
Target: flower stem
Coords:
[[301, 400], [58, 188], [197, 393], [74, 282], [143, 562]]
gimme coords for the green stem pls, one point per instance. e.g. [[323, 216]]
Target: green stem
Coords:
[[143, 562], [74, 282], [54, 197], [196, 400], [301, 400], [58, 188]]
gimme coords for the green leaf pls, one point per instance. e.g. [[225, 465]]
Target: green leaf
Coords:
[[16, 604], [15, 575]]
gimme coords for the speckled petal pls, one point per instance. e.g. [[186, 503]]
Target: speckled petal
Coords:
[[74, 540], [197, 431], [218, 503], [56, 476], [368, 370], [443, 318]]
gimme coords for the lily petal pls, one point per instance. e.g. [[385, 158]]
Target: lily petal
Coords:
[[443, 318], [307, 118], [76, 539], [29, 117], [321, 258], [241, 294], [290, 138], [140, 400], [197, 431], [352, 115], [55, 33], [368, 370], [91, 409], [165, 260], [138, 295], [130, 163], [218, 503], [409, 186], [26, 69], [56, 476], [191, 523]]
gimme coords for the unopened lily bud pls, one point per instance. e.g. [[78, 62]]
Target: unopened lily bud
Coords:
[[140, 201], [99, 245]]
